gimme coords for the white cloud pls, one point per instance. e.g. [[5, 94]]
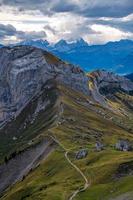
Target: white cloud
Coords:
[[107, 33]]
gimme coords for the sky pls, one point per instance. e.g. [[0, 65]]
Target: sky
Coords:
[[96, 21]]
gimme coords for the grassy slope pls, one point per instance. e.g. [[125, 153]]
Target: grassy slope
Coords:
[[79, 127], [54, 179]]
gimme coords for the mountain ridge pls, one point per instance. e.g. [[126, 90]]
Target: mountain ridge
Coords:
[[58, 100], [23, 64]]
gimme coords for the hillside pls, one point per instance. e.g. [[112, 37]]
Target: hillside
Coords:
[[58, 111]]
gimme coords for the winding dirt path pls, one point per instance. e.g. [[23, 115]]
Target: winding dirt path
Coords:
[[87, 183]]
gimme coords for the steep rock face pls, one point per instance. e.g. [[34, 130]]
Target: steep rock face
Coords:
[[103, 84], [24, 70]]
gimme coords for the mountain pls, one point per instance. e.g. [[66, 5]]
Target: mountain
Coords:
[[64, 133], [113, 56], [36, 43], [63, 46], [130, 76], [32, 71]]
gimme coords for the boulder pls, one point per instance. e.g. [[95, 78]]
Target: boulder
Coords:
[[81, 154]]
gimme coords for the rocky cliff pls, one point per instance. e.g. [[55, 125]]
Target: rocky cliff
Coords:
[[24, 70], [103, 85]]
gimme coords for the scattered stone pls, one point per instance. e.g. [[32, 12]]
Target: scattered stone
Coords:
[[123, 145], [99, 146], [30, 142], [14, 138], [81, 154]]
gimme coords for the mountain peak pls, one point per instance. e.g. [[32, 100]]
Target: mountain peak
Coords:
[[81, 42], [63, 45], [61, 42]]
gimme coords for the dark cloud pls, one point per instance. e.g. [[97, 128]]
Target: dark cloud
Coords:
[[49, 28], [96, 8], [126, 26], [64, 6], [112, 8], [31, 35], [87, 8], [106, 11], [28, 5], [9, 30]]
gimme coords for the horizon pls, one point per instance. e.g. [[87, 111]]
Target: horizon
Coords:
[[67, 41]]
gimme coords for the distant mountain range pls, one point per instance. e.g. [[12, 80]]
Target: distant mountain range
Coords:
[[113, 56]]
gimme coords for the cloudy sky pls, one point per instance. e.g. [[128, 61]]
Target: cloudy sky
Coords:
[[97, 21]]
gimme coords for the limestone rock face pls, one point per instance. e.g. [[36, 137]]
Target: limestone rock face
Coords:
[[24, 70], [103, 83]]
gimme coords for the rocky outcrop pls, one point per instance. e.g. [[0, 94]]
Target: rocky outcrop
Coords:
[[103, 84], [124, 169], [24, 70], [123, 145]]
